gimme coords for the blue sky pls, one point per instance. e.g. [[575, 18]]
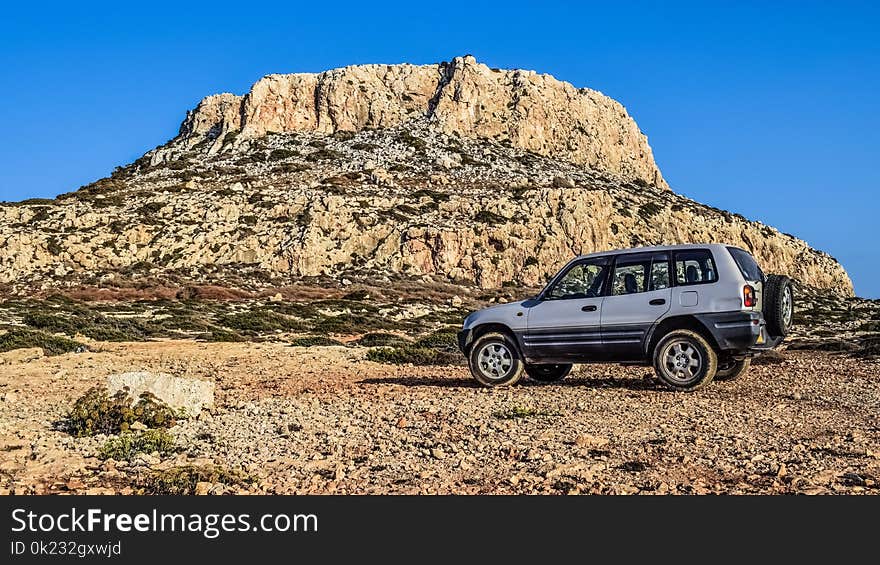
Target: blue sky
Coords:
[[763, 108]]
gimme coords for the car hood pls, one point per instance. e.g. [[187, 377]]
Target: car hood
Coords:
[[501, 313]]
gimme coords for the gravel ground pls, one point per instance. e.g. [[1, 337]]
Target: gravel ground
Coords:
[[324, 420]]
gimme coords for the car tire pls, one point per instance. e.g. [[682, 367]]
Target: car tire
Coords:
[[494, 360], [684, 360], [778, 305], [547, 373], [732, 369]]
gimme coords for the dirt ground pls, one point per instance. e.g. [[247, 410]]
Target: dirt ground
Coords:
[[325, 420]]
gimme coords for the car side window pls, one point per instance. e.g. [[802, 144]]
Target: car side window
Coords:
[[659, 272], [583, 280], [629, 276], [640, 273], [694, 267]]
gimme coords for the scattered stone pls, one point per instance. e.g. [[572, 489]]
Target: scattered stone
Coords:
[[450, 161], [563, 182], [588, 441]]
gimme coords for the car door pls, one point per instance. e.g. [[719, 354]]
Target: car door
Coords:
[[639, 294], [564, 324]]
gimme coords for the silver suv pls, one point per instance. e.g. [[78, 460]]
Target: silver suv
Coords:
[[694, 312]]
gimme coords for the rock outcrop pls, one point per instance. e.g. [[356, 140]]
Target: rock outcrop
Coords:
[[528, 110], [454, 171]]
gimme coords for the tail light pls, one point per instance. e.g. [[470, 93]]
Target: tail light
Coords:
[[749, 300]]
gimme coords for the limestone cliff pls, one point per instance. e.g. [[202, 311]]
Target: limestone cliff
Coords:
[[454, 171], [529, 110]]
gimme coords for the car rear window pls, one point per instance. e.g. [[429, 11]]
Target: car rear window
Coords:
[[747, 264]]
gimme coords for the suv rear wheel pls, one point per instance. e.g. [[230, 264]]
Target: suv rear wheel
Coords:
[[732, 369], [546, 373], [684, 360], [494, 360]]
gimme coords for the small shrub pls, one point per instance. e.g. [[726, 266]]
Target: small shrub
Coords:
[[41, 215], [445, 339], [53, 247], [221, 335], [468, 160], [364, 146], [183, 480], [96, 412], [407, 209], [380, 339], [37, 202], [150, 208], [112, 201], [530, 261], [154, 413], [108, 328], [416, 143], [127, 445], [342, 135], [323, 155], [178, 164], [255, 157], [487, 217], [403, 355], [432, 194], [279, 154], [314, 340], [49, 322], [51, 345], [649, 209]]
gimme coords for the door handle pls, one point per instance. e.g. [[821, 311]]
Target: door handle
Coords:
[[657, 302], [589, 308]]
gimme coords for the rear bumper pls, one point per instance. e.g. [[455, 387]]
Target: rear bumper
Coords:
[[737, 331], [770, 343]]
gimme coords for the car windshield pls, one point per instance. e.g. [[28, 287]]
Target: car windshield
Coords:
[[747, 264]]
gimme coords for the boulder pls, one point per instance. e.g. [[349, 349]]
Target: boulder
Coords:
[[180, 393]]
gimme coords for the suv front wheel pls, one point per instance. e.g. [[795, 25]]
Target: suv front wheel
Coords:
[[494, 360], [684, 360]]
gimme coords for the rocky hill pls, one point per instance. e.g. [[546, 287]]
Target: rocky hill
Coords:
[[454, 171]]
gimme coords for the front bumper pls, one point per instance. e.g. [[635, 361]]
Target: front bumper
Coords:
[[464, 340]]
